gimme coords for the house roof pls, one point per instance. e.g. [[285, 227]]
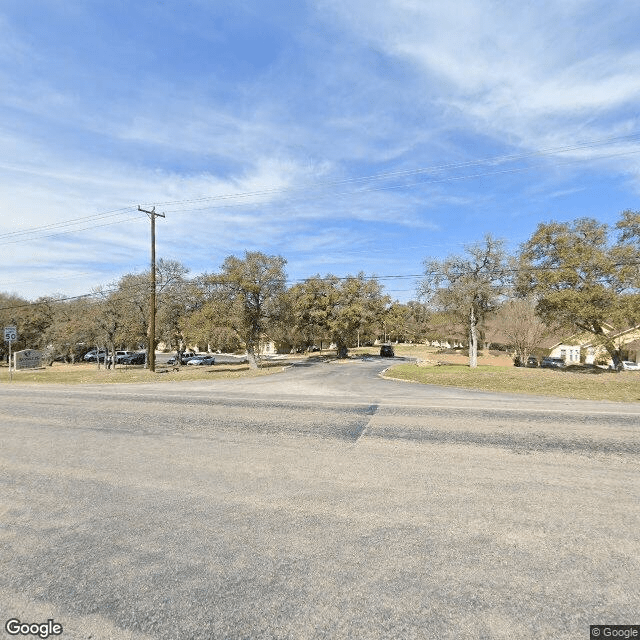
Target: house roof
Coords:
[[616, 336]]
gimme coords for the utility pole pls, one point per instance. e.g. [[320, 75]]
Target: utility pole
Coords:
[[151, 349]]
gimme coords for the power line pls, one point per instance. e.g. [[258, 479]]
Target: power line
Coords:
[[66, 223], [309, 195], [216, 280], [62, 233], [420, 170], [21, 235]]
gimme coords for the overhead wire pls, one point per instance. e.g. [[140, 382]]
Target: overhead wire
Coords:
[[116, 215], [310, 195], [67, 223], [216, 280], [24, 235], [419, 170]]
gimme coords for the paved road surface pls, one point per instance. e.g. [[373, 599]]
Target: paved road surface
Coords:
[[323, 502]]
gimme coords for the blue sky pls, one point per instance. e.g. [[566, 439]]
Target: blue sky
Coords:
[[346, 136]]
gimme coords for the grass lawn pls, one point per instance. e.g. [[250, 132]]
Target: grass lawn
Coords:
[[82, 373], [587, 384]]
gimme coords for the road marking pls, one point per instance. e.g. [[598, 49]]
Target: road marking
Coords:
[[401, 402]]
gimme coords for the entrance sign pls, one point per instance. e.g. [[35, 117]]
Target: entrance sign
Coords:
[[27, 359]]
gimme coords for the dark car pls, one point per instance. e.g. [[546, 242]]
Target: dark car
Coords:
[[134, 358], [386, 351], [532, 361], [553, 363], [121, 355]]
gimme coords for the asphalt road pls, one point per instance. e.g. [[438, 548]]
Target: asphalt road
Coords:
[[324, 502]]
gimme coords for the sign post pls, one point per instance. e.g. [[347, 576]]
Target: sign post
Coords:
[[10, 336]]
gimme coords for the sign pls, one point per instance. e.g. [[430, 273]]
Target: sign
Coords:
[[10, 334], [27, 359]]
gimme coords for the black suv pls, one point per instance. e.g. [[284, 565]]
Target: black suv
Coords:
[[386, 351]]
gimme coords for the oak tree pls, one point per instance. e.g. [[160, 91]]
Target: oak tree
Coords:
[[581, 278]]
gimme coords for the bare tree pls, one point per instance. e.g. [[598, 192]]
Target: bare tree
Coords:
[[524, 330]]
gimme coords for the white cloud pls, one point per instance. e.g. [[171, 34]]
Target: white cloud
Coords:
[[363, 87], [508, 67]]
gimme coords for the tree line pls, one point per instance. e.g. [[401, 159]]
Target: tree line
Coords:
[[578, 276], [569, 276]]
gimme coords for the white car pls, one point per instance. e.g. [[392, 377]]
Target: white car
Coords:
[[201, 360], [627, 365]]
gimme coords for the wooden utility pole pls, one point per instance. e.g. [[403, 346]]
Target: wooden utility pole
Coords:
[[151, 348]]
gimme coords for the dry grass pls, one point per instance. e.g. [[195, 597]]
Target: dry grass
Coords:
[[497, 373], [89, 373], [584, 384]]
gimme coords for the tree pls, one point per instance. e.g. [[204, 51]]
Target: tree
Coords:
[[359, 311], [34, 322], [13, 313], [340, 308], [417, 321], [251, 287], [395, 322], [468, 286], [110, 321], [447, 326], [518, 322], [627, 254], [283, 329], [580, 278], [313, 302], [173, 299], [173, 293], [71, 331]]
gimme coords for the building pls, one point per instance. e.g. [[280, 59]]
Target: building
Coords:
[[585, 348]]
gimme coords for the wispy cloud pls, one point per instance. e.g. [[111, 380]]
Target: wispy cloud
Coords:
[[183, 106], [509, 69]]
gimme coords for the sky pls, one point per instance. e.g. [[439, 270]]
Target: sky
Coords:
[[343, 135]]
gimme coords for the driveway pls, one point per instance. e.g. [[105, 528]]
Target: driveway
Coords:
[[323, 502]]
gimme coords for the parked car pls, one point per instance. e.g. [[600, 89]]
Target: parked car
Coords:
[[532, 361], [201, 360], [628, 365], [120, 355], [386, 351], [94, 355], [134, 358], [553, 363], [184, 358]]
